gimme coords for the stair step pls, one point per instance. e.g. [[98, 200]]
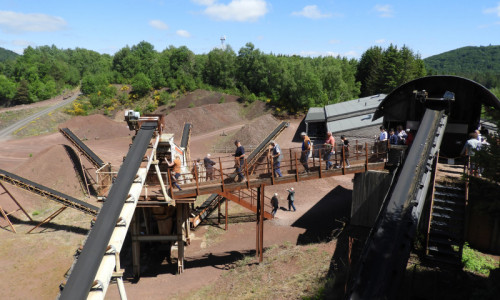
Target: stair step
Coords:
[[448, 209], [445, 223], [449, 195], [449, 188], [445, 259], [443, 250], [447, 216], [445, 234], [443, 241], [458, 202]]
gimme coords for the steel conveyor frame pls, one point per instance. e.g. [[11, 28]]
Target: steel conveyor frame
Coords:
[[84, 270], [48, 193], [96, 161], [386, 251]]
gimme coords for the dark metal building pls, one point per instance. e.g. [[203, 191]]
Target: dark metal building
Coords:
[[400, 107]]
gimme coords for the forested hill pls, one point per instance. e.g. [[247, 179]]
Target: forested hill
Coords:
[[7, 54], [478, 63]]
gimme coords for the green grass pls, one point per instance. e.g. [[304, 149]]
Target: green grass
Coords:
[[10, 117], [476, 262]]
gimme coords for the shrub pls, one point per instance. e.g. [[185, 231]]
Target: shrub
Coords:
[[191, 105], [477, 263], [222, 100]]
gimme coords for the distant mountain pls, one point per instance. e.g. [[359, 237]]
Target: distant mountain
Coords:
[[466, 60], [7, 54]]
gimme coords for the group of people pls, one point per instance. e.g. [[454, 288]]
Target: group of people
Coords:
[[398, 137], [290, 198]]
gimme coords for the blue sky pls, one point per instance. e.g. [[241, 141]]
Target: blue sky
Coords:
[[307, 28]]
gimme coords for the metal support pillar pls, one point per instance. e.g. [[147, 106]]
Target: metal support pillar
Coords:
[[260, 223], [49, 218], [136, 245], [6, 214], [227, 203], [180, 241]]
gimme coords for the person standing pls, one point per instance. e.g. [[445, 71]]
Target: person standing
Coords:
[[209, 167], [393, 138], [274, 204], [176, 170], [277, 156], [239, 160], [469, 150], [329, 149], [383, 134], [401, 135], [291, 199], [306, 151], [345, 152]]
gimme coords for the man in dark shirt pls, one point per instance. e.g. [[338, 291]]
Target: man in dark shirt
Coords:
[[239, 158], [291, 198], [275, 203]]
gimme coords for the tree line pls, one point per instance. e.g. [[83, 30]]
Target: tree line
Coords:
[[286, 81]]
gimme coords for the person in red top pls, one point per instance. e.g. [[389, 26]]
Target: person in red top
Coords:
[[329, 149], [409, 137]]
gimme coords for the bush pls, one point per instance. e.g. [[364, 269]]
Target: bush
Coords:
[[222, 100], [477, 263]]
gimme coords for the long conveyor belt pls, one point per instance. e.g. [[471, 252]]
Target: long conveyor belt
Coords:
[[49, 193], [84, 270], [96, 161], [186, 133], [385, 254]]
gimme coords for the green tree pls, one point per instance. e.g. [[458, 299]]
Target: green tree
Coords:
[[8, 88], [22, 94], [220, 67], [141, 84]]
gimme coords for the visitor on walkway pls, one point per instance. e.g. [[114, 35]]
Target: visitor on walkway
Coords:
[[469, 150], [209, 167], [345, 152], [291, 198], [393, 138], [239, 160], [306, 151], [329, 149], [176, 170], [277, 156], [274, 204], [401, 135]]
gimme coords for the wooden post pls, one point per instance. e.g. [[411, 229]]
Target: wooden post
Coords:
[[291, 159], [221, 175], [227, 203], [260, 224], [180, 239], [246, 173], [296, 168], [218, 211], [196, 178], [343, 160], [357, 154], [272, 170], [170, 183], [320, 174]]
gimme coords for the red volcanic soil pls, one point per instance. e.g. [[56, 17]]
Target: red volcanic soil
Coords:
[[45, 160]]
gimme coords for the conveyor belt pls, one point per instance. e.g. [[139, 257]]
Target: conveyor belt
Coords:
[[255, 155], [48, 193], [185, 135], [386, 252], [82, 147], [84, 270]]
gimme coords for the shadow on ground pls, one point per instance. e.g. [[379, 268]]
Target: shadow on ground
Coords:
[[325, 220], [50, 226]]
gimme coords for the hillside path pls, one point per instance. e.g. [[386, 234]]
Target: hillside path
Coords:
[[5, 133]]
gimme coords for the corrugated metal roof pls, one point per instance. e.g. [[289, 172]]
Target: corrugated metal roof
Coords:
[[315, 114], [357, 105], [352, 123]]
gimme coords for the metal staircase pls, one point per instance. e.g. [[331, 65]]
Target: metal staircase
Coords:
[[445, 238]]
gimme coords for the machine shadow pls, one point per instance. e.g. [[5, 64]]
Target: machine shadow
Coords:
[[50, 225], [325, 220]]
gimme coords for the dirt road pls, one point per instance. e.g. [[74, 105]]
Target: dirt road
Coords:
[[6, 132]]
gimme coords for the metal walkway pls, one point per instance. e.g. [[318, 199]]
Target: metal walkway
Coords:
[[48, 193]]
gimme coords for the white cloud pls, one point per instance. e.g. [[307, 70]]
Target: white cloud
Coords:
[[493, 10], [158, 24], [18, 22], [204, 2], [385, 11], [328, 53], [311, 12], [334, 42], [380, 41], [236, 10], [183, 33]]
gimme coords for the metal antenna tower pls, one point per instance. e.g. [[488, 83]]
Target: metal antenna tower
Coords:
[[222, 40]]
